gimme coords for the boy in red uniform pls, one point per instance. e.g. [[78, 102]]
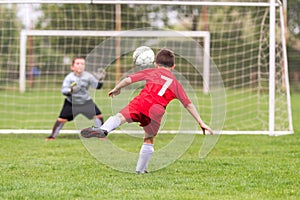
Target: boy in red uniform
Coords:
[[149, 106]]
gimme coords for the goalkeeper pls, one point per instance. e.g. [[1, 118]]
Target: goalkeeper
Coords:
[[149, 106], [78, 101]]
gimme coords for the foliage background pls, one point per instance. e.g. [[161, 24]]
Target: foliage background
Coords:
[[52, 16]]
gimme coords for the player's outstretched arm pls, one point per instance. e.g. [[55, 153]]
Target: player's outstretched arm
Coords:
[[119, 86], [193, 111]]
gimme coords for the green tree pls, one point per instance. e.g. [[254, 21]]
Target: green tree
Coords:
[[9, 34], [293, 43], [293, 17], [94, 17]]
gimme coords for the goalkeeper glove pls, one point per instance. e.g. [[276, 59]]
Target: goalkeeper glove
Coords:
[[72, 87], [100, 74]]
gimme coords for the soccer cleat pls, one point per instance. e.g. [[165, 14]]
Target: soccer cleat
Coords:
[[50, 138], [145, 172], [93, 132]]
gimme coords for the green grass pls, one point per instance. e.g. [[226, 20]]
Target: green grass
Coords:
[[39, 108], [239, 167]]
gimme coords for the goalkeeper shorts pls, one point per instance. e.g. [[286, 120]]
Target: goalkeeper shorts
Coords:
[[70, 111]]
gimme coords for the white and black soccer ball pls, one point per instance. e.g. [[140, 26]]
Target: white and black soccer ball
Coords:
[[143, 57]]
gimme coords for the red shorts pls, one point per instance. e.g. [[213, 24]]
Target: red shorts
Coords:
[[132, 114]]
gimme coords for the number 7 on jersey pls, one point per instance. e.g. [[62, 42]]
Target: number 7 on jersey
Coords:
[[165, 86]]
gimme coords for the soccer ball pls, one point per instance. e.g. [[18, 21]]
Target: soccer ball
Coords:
[[143, 56]]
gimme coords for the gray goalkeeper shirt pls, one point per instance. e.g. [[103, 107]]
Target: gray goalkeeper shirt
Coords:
[[80, 92]]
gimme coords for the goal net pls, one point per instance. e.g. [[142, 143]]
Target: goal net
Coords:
[[232, 65]]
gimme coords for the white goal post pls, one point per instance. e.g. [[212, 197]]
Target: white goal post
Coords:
[[205, 35], [245, 40], [198, 34]]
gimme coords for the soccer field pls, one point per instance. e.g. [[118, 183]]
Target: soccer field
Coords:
[[233, 59], [239, 167]]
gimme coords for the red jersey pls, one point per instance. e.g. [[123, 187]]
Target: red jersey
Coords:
[[161, 88]]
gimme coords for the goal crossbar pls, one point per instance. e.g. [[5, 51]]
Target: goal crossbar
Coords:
[[188, 3], [76, 33]]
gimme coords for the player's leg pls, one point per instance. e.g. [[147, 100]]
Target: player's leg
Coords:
[[120, 118], [147, 148], [146, 152], [110, 124], [113, 122], [65, 115], [98, 120], [99, 117], [58, 125]]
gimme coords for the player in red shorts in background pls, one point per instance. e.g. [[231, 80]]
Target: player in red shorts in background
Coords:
[[149, 106]]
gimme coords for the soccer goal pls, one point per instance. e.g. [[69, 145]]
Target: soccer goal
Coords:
[[231, 57]]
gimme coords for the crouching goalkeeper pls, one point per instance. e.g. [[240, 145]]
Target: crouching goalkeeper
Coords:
[[78, 100]]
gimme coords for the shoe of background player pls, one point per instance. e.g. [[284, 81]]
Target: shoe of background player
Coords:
[[50, 138], [93, 132]]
